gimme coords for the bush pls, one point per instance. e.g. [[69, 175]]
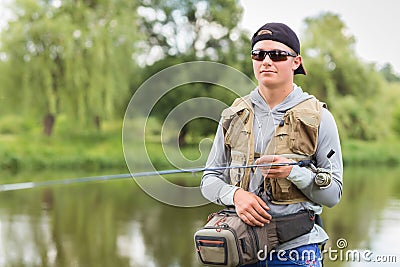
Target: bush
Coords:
[[13, 124], [396, 120]]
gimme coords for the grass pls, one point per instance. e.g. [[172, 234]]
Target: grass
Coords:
[[34, 151], [99, 150], [363, 153], [88, 150]]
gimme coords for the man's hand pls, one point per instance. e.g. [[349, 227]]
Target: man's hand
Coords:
[[274, 172], [251, 208]]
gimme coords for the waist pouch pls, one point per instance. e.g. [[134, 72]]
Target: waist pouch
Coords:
[[227, 241]]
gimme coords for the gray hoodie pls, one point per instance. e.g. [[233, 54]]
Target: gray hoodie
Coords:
[[216, 187]]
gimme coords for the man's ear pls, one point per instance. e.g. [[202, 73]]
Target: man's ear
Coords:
[[296, 62]]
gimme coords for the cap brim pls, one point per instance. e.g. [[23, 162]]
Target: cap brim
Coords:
[[300, 70]]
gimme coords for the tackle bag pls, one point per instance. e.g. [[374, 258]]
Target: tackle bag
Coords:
[[227, 241]]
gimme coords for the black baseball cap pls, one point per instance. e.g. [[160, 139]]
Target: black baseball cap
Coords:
[[279, 32]]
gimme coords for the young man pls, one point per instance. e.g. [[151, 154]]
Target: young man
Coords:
[[282, 124]]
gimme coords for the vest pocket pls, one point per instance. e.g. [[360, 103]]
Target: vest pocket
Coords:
[[237, 128], [285, 192], [281, 141], [238, 159], [280, 189], [304, 131]]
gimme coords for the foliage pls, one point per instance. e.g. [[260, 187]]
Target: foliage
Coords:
[[22, 148], [361, 153], [352, 89], [396, 124], [205, 29], [187, 31], [389, 74], [71, 57]]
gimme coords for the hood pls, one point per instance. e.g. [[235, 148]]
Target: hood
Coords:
[[295, 97]]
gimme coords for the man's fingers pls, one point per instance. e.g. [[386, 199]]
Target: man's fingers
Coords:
[[247, 218], [265, 159], [262, 213], [254, 219], [274, 171], [262, 203], [257, 214], [251, 208], [259, 220]]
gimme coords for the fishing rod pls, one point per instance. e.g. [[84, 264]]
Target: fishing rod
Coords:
[[29, 185]]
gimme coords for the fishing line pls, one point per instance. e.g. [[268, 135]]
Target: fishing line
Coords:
[[30, 185]]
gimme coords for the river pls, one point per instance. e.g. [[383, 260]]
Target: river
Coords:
[[114, 223]]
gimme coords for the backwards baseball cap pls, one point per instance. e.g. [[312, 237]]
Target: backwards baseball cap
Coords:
[[279, 32]]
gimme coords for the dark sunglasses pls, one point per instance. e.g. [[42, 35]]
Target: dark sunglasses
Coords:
[[274, 55]]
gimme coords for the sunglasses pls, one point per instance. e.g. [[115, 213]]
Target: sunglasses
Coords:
[[274, 55]]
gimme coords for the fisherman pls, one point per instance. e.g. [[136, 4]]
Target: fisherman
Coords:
[[277, 123]]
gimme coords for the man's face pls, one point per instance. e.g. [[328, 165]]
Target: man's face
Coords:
[[274, 74]]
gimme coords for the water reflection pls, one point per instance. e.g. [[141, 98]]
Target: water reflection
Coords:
[[116, 224], [131, 245], [17, 235]]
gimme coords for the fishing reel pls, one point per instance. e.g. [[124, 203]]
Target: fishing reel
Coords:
[[323, 177]]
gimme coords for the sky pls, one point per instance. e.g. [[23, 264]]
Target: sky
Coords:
[[374, 24]]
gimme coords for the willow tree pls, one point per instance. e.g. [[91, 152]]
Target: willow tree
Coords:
[[72, 56], [188, 30]]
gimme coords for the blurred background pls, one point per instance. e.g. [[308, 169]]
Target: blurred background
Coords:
[[68, 69]]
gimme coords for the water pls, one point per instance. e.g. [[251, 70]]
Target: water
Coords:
[[116, 224]]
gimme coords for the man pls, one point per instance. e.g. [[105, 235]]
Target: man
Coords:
[[283, 124]]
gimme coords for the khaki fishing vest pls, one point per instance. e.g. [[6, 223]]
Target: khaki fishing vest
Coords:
[[296, 137]]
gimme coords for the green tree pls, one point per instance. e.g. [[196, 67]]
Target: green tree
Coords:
[[389, 73], [188, 30], [72, 57], [393, 99], [198, 29], [351, 88], [396, 124]]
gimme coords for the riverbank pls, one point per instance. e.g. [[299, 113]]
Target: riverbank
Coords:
[[103, 150], [361, 153]]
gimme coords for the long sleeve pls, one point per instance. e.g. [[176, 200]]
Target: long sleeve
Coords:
[[215, 185], [304, 178]]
